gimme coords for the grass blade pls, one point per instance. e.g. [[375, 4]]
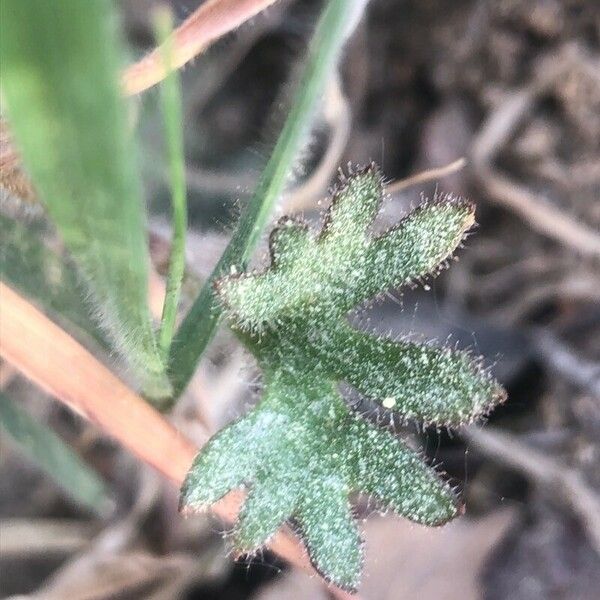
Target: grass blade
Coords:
[[173, 125], [54, 456], [60, 63], [196, 331]]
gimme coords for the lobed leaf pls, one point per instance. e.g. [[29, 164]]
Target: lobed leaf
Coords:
[[332, 539], [302, 452], [224, 464], [268, 505], [418, 245]]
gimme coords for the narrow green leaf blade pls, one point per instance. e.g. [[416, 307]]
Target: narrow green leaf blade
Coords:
[[54, 456], [170, 92], [197, 329], [60, 63]]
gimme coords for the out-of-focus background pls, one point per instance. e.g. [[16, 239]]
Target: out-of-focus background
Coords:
[[514, 87]]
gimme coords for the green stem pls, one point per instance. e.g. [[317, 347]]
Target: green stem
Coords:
[[170, 94], [196, 331]]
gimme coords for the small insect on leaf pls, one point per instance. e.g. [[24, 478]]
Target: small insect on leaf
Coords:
[[302, 450]]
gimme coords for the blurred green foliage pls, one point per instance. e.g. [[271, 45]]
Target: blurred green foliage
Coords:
[[60, 64], [54, 456]]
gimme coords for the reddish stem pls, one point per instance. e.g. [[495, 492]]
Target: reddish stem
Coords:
[[210, 21]]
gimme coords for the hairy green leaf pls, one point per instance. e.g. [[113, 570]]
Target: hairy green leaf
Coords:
[[60, 64], [54, 456], [302, 451]]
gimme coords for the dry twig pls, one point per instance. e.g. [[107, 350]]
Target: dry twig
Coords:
[[495, 133], [338, 116], [425, 176], [57, 363], [575, 286], [567, 482], [575, 368], [543, 216], [42, 537]]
